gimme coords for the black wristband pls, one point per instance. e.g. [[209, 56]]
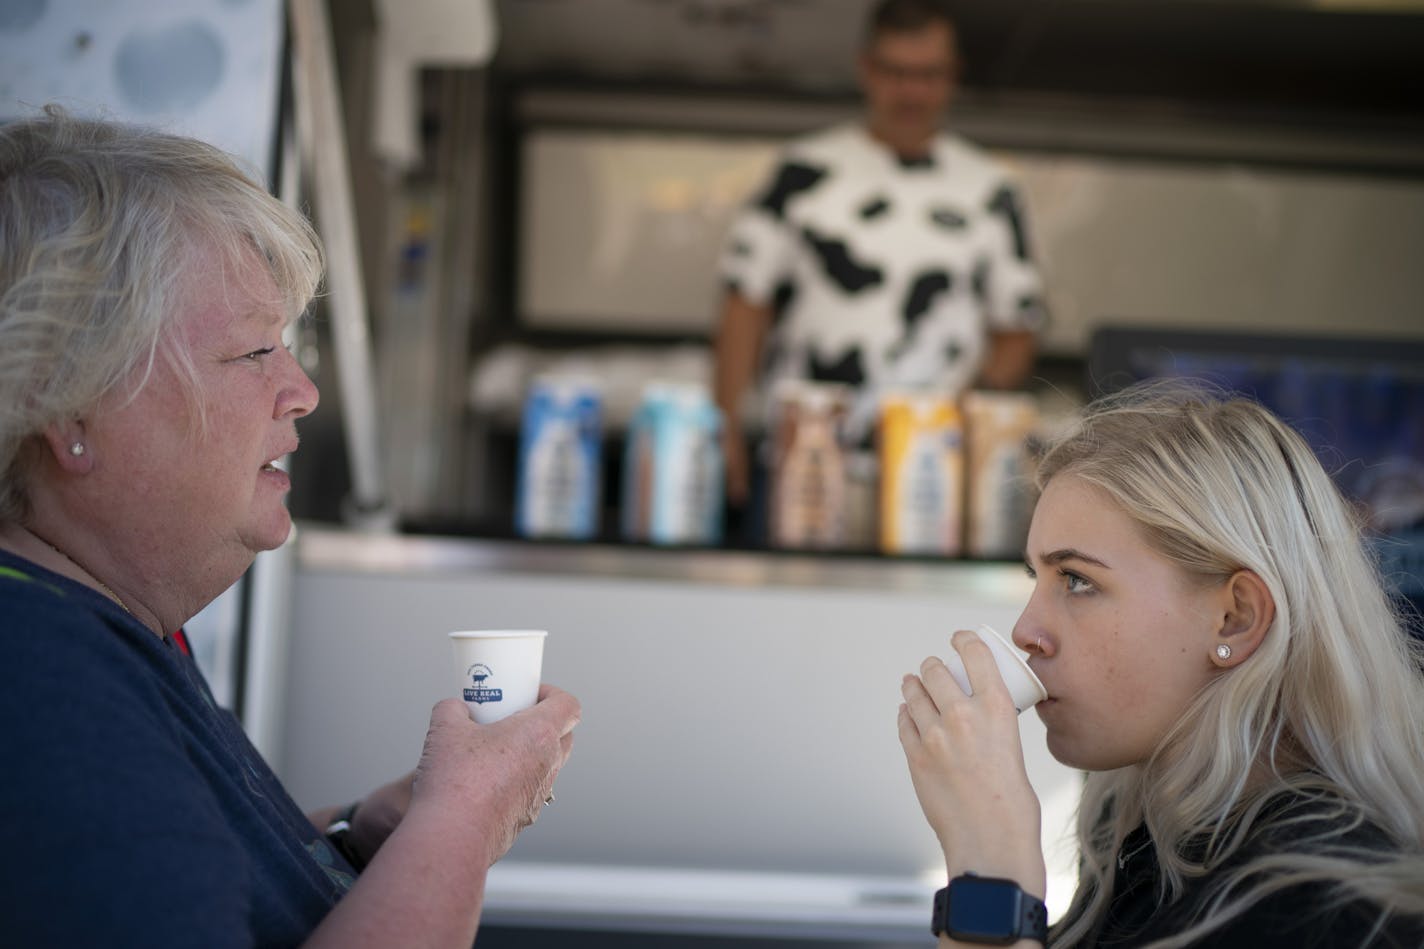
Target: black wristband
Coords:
[[988, 910], [338, 833]]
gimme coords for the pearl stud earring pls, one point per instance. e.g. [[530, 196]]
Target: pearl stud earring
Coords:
[[1223, 652], [76, 449]]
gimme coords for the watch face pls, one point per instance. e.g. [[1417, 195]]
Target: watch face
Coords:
[[984, 910]]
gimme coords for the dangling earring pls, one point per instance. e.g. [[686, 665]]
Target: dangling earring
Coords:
[[1223, 652], [76, 449]]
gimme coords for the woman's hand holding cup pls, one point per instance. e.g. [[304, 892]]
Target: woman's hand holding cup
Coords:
[[495, 777], [967, 765]]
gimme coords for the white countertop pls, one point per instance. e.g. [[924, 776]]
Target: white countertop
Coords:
[[708, 901], [328, 548]]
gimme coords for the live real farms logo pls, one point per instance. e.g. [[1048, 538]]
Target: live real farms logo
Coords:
[[477, 692]]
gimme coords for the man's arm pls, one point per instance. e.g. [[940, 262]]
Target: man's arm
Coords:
[[739, 341], [1014, 292], [1009, 361]]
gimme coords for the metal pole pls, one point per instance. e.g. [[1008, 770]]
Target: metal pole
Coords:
[[321, 136]]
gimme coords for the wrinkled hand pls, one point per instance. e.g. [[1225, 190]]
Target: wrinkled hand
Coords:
[[497, 775], [966, 763]]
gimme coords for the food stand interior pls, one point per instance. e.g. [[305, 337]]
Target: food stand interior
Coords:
[[1221, 168], [1216, 168]]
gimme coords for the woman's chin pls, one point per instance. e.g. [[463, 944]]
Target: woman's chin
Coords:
[[272, 533]]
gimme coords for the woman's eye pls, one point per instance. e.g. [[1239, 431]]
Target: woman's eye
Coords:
[[1076, 584], [259, 353]]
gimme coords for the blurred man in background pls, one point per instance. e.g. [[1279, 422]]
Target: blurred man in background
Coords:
[[883, 254]]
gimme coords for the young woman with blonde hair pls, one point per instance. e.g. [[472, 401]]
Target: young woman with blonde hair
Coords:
[[1221, 657]]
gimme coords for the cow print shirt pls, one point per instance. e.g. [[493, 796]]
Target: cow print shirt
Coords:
[[884, 273]]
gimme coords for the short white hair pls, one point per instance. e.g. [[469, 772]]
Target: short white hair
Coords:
[[99, 224]]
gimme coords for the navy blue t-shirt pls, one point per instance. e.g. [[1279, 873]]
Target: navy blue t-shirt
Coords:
[[133, 810]]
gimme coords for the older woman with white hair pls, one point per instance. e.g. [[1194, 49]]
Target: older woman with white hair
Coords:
[[1221, 657], [145, 394]]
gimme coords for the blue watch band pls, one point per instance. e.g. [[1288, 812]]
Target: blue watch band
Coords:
[[988, 910]]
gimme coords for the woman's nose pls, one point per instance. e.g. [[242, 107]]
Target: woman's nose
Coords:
[[299, 395], [1029, 634]]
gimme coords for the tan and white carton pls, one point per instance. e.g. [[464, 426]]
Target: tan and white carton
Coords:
[[1000, 427], [808, 466]]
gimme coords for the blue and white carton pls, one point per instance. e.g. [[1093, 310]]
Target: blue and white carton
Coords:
[[673, 471], [560, 459]]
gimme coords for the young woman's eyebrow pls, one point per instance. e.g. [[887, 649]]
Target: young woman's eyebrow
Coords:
[[1068, 553]]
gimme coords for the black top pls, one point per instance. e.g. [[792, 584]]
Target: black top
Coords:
[[1298, 917]]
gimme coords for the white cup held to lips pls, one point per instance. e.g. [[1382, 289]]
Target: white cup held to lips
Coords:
[[498, 670], [1024, 687]]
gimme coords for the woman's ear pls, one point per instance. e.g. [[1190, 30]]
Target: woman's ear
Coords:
[[1249, 611], [65, 444]]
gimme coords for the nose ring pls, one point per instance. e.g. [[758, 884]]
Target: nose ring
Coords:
[[1038, 644]]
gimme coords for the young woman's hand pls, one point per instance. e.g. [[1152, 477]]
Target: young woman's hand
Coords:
[[966, 762]]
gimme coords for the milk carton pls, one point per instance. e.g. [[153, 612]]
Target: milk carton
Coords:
[[808, 478], [921, 440], [862, 505], [560, 458], [673, 469], [1001, 471]]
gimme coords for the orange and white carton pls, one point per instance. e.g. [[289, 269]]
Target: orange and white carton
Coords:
[[921, 440]]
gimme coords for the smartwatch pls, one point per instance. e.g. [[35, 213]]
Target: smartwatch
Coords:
[[988, 910]]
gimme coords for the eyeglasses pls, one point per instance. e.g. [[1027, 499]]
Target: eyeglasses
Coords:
[[901, 73]]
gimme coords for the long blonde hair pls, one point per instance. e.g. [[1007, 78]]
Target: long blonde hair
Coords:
[[99, 223], [1329, 707]]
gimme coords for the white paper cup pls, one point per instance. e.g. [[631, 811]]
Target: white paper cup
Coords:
[[1023, 685], [499, 670]]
